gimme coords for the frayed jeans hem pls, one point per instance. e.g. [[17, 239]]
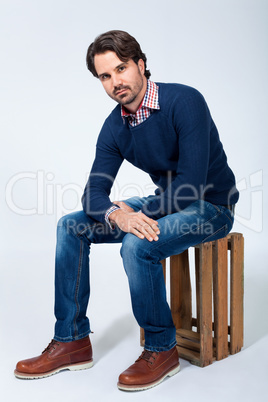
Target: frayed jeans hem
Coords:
[[160, 348], [71, 338]]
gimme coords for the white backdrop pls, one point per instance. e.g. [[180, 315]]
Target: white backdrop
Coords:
[[52, 109]]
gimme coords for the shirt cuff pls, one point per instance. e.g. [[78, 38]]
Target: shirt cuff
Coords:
[[107, 214]]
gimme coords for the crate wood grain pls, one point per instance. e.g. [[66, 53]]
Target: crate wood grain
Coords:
[[204, 338], [220, 295]]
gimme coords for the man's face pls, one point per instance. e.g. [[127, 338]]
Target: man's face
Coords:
[[123, 81]]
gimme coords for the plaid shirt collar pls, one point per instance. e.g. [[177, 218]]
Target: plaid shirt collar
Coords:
[[150, 102]]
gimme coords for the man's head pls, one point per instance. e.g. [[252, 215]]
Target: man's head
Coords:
[[117, 60], [121, 43]]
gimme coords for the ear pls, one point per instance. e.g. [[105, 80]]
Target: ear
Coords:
[[141, 66]]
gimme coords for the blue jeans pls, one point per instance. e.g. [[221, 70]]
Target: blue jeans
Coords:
[[200, 222]]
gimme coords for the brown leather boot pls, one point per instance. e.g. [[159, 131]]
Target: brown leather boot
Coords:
[[58, 356], [149, 370]]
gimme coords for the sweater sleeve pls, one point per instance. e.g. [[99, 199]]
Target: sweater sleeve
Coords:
[[95, 199], [191, 119]]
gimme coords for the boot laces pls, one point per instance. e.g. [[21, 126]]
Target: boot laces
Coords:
[[147, 355], [50, 346]]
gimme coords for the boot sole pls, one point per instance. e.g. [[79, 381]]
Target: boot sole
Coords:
[[71, 367], [143, 387]]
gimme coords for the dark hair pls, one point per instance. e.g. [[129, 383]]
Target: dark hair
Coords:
[[124, 45]]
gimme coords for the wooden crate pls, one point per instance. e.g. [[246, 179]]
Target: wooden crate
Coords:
[[208, 337]]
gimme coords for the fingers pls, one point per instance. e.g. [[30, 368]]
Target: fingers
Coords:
[[137, 223], [145, 232], [146, 228], [137, 233]]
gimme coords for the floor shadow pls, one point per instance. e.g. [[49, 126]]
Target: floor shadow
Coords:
[[255, 305], [114, 334]]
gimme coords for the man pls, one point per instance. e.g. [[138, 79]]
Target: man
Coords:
[[167, 131]]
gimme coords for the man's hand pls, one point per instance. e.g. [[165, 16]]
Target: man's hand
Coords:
[[123, 206], [135, 222]]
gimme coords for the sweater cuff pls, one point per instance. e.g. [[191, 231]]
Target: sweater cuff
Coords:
[[107, 214]]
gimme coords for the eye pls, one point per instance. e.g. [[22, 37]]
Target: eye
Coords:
[[104, 77], [122, 68]]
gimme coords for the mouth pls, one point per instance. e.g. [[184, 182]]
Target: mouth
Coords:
[[121, 91]]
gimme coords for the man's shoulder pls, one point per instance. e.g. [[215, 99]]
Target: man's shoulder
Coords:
[[176, 89], [168, 93], [115, 115], [174, 96]]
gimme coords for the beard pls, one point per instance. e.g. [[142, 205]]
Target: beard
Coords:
[[127, 97], [130, 92]]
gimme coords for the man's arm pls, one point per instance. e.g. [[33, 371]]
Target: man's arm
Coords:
[[96, 201], [108, 160], [192, 122]]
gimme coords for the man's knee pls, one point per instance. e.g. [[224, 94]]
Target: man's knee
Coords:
[[136, 249], [131, 246], [71, 223]]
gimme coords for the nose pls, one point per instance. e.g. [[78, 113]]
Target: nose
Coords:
[[117, 80]]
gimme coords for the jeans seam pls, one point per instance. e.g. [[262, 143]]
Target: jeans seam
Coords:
[[86, 228], [77, 288], [218, 209], [228, 218], [156, 246], [225, 227], [185, 234], [81, 232], [151, 279]]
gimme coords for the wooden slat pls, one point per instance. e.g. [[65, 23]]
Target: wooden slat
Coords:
[[192, 356], [237, 292], [188, 344], [194, 324], [229, 238], [185, 333], [220, 297], [180, 291], [142, 337], [197, 290], [205, 289], [193, 344]]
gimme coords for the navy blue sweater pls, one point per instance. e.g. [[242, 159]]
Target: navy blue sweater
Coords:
[[178, 146]]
